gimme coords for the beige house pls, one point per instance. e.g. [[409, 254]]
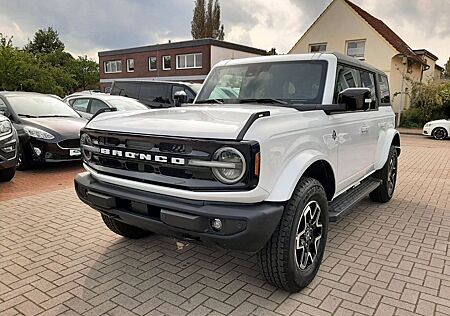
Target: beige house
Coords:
[[346, 28]]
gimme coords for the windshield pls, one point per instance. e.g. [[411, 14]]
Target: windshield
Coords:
[[127, 105], [40, 106], [195, 87], [292, 82]]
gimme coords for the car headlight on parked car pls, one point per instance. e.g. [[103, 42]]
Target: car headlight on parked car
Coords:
[[232, 163], [37, 133], [5, 127]]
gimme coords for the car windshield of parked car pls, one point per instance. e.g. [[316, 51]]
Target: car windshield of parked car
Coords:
[[127, 105], [40, 106], [299, 82]]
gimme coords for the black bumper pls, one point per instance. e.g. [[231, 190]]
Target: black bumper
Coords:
[[8, 157], [246, 227]]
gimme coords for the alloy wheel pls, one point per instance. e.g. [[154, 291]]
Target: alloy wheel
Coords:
[[439, 134], [392, 175], [308, 235]]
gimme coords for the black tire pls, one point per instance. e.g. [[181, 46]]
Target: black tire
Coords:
[[7, 174], [22, 161], [388, 175], [123, 229], [278, 259], [439, 133]]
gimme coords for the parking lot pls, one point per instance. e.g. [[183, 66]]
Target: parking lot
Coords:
[[57, 257]]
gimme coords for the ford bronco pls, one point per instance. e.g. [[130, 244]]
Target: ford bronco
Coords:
[[271, 150]]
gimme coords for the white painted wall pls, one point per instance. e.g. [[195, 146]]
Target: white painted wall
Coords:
[[221, 53]]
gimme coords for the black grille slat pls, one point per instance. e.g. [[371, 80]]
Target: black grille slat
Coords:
[[70, 143]]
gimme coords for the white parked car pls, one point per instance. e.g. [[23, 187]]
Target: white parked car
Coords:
[[439, 129], [298, 143], [88, 104]]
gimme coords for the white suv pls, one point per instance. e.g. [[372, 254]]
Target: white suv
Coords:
[[272, 149]]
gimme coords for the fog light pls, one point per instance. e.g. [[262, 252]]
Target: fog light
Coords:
[[8, 149], [216, 224], [37, 151]]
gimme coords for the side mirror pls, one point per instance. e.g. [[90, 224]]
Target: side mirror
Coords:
[[355, 99], [180, 97]]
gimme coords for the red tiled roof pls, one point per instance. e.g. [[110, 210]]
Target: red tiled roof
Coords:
[[386, 32]]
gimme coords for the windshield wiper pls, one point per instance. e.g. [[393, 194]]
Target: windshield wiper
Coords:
[[220, 101], [56, 115], [263, 100], [27, 115]]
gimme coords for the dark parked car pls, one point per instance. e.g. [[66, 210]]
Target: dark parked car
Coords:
[[8, 149], [48, 129], [88, 105], [155, 94]]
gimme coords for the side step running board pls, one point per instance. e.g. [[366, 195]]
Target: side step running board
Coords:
[[344, 202]]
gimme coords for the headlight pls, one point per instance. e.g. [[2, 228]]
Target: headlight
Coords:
[[5, 127], [233, 165], [86, 141], [428, 124], [37, 133]]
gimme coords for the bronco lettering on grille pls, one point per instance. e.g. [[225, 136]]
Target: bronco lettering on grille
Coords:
[[142, 156]]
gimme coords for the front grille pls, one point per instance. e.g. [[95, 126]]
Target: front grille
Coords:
[[161, 173], [70, 143]]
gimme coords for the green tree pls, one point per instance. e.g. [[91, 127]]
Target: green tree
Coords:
[[45, 41], [199, 20], [86, 73], [206, 21], [447, 69]]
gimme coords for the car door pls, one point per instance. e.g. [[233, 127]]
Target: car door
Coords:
[[351, 133], [81, 105], [96, 105]]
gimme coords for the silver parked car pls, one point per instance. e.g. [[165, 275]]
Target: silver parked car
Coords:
[[88, 104]]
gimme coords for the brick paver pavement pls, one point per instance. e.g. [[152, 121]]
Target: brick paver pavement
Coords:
[[56, 257]]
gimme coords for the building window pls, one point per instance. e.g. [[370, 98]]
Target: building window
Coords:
[[167, 62], [112, 66], [152, 66], [317, 48], [189, 61], [130, 65], [356, 49]]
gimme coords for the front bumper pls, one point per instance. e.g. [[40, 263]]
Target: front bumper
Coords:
[[41, 151], [427, 131], [245, 227]]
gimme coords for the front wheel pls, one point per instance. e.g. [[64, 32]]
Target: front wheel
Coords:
[[22, 161], [439, 133], [291, 258], [7, 174]]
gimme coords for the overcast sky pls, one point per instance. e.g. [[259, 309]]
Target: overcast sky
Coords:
[[89, 26]]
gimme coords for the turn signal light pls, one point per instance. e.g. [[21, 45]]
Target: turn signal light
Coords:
[[257, 161]]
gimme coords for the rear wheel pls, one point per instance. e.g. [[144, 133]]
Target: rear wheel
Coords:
[[388, 176], [439, 133], [123, 229], [291, 258], [7, 174]]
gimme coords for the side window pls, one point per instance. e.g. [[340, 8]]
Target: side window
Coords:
[[96, 105], [126, 89], [384, 89], [154, 93], [80, 105], [368, 81], [347, 77]]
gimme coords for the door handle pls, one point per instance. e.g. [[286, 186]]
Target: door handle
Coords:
[[364, 129]]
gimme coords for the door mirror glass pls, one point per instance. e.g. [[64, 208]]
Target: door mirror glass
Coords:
[[180, 97], [355, 99]]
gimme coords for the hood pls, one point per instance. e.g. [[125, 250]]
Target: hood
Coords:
[[217, 121], [438, 121], [67, 127]]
